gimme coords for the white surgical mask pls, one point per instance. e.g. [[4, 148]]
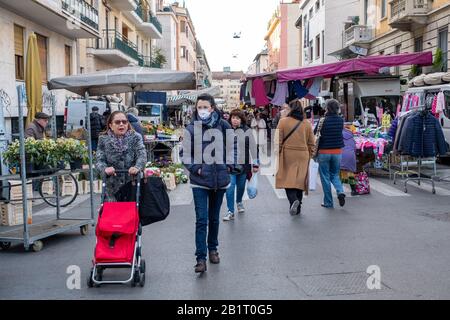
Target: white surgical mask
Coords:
[[204, 114]]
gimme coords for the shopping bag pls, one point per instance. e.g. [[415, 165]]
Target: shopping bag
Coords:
[[313, 173], [362, 183], [252, 187]]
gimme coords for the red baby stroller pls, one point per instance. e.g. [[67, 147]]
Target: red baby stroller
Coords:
[[118, 244]]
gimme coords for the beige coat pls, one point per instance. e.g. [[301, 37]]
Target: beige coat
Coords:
[[295, 154]]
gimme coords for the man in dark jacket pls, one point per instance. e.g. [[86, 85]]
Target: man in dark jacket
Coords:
[[132, 115], [36, 129], [96, 127]]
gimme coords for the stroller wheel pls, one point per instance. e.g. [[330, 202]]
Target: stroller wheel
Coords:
[[136, 278], [142, 266], [84, 230], [142, 280], [90, 283]]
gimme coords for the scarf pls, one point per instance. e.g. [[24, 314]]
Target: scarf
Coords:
[[119, 142]]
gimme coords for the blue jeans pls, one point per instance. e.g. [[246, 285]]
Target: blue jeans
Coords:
[[207, 211], [238, 183], [329, 168]]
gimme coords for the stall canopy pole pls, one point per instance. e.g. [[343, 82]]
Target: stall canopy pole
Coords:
[[23, 171], [89, 138], [54, 131]]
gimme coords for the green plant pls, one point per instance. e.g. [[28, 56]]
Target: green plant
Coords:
[[438, 63], [159, 58], [414, 72], [69, 150]]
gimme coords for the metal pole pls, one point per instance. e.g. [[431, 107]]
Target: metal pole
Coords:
[[55, 136], [23, 171], [91, 169], [3, 140]]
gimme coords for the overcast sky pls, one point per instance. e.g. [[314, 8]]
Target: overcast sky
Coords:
[[215, 22]]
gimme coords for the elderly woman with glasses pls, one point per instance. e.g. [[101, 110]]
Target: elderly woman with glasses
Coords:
[[119, 148]]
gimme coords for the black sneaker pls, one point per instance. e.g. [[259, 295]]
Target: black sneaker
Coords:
[[341, 198]]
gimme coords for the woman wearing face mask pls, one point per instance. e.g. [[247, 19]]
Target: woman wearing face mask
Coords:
[[244, 166], [204, 154], [119, 148]]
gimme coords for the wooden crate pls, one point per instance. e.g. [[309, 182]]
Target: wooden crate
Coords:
[[68, 188], [47, 187], [16, 190], [97, 186], [11, 214]]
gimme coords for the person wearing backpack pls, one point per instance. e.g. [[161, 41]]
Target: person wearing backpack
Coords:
[[209, 175], [296, 141]]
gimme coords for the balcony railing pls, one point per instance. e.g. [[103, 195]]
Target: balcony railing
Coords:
[[356, 34], [154, 20], [145, 14], [145, 61], [113, 40], [402, 8], [79, 8]]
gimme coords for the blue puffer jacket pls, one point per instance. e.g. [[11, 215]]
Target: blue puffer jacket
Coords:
[[212, 176], [135, 123], [423, 137], [331, 134]]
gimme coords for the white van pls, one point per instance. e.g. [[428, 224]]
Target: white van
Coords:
[[75, 111], [150, 112], [423, 93]]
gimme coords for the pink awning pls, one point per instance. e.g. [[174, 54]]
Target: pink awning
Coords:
[[368, 64]]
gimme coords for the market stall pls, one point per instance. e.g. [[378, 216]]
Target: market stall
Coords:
[[114, 81]]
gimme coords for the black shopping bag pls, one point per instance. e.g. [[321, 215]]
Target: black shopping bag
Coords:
[[154, 204]]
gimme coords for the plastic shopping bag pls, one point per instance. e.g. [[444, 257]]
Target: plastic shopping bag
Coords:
[[252, 187], [313, 173]]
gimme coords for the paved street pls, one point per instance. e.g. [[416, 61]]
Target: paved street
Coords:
[[266, 253]]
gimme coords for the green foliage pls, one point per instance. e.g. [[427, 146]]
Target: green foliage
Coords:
[[159, 58], [438, 63]]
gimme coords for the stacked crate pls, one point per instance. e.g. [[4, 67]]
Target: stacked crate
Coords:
[[11, 214]]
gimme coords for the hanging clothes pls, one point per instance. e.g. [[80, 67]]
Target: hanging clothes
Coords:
[[300, 91], [291, 92], [440, 104], [281, 94], [314, 89], [259, 93], [433, 106], [242, 92], [249, 92]]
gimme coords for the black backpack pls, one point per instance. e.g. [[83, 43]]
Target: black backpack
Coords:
[[154, 204]]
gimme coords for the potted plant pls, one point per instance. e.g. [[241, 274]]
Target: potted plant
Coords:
[[72, 151]]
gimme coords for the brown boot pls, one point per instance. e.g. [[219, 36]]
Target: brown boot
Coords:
[[214, 257], [200, 267]]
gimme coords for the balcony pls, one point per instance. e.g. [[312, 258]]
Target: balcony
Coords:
[[406, 13], [145, 21], [115, 49], [124, 5], [74, 19], [357, 35], [145, 61]]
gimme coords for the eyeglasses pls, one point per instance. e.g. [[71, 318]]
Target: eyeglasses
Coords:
[[119, 122]]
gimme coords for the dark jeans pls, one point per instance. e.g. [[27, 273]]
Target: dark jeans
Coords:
[[207, 210], [294, 194]]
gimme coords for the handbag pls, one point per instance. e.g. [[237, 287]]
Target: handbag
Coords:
[[315, 151]]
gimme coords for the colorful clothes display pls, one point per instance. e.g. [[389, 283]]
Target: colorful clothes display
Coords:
[[259, 93]]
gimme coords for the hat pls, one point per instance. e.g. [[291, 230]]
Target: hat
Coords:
[[41, 115]]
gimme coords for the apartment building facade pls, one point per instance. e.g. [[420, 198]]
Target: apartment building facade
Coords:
[[408, 26], [321, 22], [58, 25], [229, 83], [128, 30]]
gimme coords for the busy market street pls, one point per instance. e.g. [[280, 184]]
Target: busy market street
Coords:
[[266, 253], [210, 150]]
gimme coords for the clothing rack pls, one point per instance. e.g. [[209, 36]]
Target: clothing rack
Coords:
[[425, 110]]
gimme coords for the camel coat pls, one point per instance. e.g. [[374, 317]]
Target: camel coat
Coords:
[[294, 155]]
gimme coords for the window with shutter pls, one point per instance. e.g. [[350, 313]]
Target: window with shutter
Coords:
[[19, 52], [42, 45]]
